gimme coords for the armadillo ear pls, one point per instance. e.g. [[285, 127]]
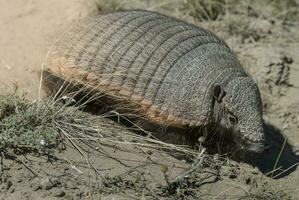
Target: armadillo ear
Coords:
[[219, 93]]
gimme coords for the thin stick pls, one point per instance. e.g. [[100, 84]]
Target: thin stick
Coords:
[[2, 163], [27, 167], [279, 155], [294, 165]]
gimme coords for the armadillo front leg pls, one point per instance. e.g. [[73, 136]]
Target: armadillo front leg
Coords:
[[214, 93]]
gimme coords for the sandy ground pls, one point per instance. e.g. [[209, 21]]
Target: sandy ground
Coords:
[[28, 27]]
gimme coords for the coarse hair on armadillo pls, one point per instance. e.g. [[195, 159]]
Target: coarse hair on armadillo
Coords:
[[164, 66]]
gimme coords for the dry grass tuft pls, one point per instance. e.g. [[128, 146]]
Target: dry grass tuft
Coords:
[[204, 9]]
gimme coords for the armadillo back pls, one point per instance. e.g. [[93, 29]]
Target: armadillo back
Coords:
[[163, 65]]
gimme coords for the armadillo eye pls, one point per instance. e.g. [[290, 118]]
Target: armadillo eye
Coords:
[[233, 120]]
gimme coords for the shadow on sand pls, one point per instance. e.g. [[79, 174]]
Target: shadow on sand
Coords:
[[279, 160]]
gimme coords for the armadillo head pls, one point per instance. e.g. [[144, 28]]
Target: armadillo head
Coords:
[[242, 114]]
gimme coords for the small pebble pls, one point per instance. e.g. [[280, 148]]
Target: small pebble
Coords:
[[71, 185], [8, 185], [68, 197], [46, 184], [248, 180], [58, 193], [232, 176], [36, 187], [255, 171], [12, 190]]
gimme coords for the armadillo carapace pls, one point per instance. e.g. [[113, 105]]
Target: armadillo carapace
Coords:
[[174, 73]]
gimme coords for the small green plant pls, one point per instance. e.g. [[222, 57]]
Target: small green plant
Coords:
[[31, 126]]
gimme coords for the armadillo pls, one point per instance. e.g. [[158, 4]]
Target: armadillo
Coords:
[[173, 72]]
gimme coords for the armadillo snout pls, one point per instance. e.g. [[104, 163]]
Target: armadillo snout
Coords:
[[252, 146]]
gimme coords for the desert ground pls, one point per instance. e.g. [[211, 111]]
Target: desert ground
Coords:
[[94, 157]]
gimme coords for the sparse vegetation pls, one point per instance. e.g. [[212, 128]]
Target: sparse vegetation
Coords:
[[135, 162], [209, 9], [30, 126]]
